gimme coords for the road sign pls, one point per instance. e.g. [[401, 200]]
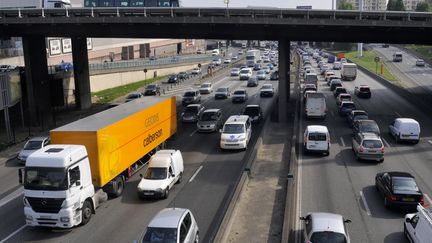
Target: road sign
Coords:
[[145, 70], [377, 59], [199, 65]]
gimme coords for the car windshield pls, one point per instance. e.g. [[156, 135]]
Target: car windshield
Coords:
[[222, 90], [152, 86], [404, 184], [261, 72], [317, 136], [369, 127], [244, 71], [372, 144], [360, 117], [33, 145], [348, 105], [162, 235], [155, 173], [191, 110], [205, 85], [208, 116], [364, 89], [45, 178], [189, 94], [233, 128], [266, 86], [239, 92], [343, 90], [251, 111], [327, 236], [133, 96]]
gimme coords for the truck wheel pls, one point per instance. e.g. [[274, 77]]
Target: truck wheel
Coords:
[[86, 213], [120, 186]]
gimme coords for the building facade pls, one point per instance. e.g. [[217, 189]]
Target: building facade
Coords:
[[379, 5]]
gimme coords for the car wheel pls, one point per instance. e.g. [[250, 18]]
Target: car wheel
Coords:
[[166, 193], [196, 240], [381, 160], [86, 213]]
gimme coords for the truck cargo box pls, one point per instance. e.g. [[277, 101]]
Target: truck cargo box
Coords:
[[118, 137]]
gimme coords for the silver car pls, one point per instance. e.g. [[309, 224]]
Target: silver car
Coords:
[[210, 120], [325, 227], [368, 146], [171, 225], [31, 146]]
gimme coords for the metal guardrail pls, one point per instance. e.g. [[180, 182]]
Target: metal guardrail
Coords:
[[147, 62], [10, 15]]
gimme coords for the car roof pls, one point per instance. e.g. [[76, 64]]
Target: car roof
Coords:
[[327, 222], [370, 135], [167, 218], [193, 105], [206, 83], [340, 88], [252, 106], [211, 110], [347, 102], [317, 128], [240, 119], [359, 111], [240, 90], [39, 138], [399, 174], [406, 120]]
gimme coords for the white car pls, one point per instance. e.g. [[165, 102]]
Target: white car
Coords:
[[235, 72], [266, 69], [196, 71], [337, 66], [227, 61], [420, 63], [172, 225], [217, 61], [261, 75], [245, 74], [267, 90], [236, 132], [206, 88], [31, 146], [418, 226], [328, 226]]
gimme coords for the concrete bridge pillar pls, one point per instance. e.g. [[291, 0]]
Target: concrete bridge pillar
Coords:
[[37, 83], [81, 73], [284, 79]]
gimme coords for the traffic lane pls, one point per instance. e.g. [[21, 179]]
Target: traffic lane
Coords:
[[120, 210], [9, 177], [403, 164], [217, 178], [12, 217]]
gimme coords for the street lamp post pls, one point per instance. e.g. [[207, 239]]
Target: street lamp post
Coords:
[[226, 2]]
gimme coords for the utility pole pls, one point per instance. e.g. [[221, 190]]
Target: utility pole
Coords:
[[360, 45], [333, 8], [226, 2]]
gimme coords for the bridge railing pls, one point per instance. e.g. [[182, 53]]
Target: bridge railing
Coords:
[[216, 13]]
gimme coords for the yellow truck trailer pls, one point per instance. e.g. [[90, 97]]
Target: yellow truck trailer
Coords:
[[117, 138]]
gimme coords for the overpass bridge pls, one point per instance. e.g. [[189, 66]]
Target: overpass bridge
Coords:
[[283, 25]]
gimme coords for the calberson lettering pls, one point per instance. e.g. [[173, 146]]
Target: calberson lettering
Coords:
[[152, 137]]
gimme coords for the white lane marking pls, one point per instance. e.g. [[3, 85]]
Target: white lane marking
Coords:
[[342, 142], [428, 199], [397, 114], [12, 196], [430, 141], [14, 233], [365, 203], [299, 185], [386, 143], [196, 173], [196, 130]]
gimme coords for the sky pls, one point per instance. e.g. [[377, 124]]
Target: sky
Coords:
[[316, 4]]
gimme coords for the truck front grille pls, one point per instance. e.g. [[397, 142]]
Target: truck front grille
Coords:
[[45, 205]]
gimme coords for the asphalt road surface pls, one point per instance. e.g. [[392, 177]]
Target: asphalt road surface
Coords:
[[340, 184], [210, 176]]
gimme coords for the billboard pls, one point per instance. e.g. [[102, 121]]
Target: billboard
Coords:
[[55, 47]]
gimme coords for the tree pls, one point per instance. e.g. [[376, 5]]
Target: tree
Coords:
[[344, 5], [395, 5], [422, 7]]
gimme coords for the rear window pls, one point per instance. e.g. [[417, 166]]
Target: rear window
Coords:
[[372, 144], [349, 105], [317, 136], [404, 184], [327, 236], [189, 94], [239, 92], [364, 89]]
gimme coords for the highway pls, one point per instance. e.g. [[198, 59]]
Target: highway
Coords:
[[340, 184], [210, 176]]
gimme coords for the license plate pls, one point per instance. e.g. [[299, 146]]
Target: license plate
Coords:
[[372, 151], [148, 193], [408, 199], [312, 146], [232, 144], [45, 217]]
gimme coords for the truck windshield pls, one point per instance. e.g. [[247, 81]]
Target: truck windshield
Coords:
[[233, 128], [155, 173], [45, 178], [165, 235]]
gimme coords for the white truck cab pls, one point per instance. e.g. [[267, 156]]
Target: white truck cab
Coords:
[[236, 132], [165, 169], [58, 189], [418, 226]]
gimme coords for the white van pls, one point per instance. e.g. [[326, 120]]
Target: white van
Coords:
[[418, 226], [164, 169], [349, 71], [215, 52], [236, 132], [315, 105], [316, 139], [405, 129]]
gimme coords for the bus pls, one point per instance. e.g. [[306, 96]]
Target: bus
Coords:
[[131, 3]]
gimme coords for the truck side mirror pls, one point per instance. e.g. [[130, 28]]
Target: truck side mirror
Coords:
[[141, 175], [20, 176], [347, 221]]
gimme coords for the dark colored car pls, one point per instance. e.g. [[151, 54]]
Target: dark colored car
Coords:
[[334, 84], [254, 112], [183, 75], [339, 90], [211, 120], [190, 97], [152, 89], [356, 115], [363, 91], [346, 107], [257, 67], [399, 190], [362, 126], [252, 82], [274, 75], [192, 113], [172, 79]]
